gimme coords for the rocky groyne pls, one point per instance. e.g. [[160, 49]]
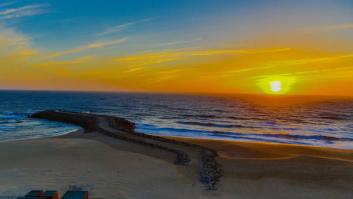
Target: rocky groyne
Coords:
[[120, 128]]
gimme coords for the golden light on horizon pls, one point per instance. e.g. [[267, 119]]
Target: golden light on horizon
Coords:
[[276, 85]]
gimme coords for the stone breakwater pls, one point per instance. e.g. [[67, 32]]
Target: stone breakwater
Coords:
[[209, 169]]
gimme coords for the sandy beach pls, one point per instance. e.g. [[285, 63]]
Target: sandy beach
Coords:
[[106, 170], [115, 168]]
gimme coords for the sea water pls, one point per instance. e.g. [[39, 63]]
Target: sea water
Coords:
[[315, 121]]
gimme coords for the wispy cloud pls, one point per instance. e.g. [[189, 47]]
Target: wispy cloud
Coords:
[[244, 70], [173, 43], [304, 66], [168, 56], [328, 28], [317, 60], [23, 11], [321, 71], [152, 58], [90, 46], [121, 27], [230, 52], [7, 3]]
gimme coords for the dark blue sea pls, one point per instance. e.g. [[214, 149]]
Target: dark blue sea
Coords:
[[316, 121]]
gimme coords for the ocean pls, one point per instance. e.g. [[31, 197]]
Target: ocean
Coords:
[[305, 120]]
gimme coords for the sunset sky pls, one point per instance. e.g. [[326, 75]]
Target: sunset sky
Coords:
[[203, 46]]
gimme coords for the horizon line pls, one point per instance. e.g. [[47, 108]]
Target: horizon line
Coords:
[[171, 93]]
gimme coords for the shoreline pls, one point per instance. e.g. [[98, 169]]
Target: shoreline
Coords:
[[118, 168], [244, 142], [183, 138], [255, 143], [293, 150]]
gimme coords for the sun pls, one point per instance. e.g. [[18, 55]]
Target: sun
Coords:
[[276, 85]]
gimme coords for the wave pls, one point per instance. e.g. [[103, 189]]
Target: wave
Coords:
[[335, 116], [289, 138], [313, 123], [7, 128], [17, 126], [215, 125], [7, 115], [199, 116]]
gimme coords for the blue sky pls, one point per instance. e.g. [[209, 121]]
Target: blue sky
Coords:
[[60, 24], [74, 21]]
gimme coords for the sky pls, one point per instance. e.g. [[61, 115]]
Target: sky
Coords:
[[302, 47]]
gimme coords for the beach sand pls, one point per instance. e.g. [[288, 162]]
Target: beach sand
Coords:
[[112, 168]]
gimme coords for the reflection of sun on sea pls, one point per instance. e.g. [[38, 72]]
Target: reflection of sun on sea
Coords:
[[276, 85]]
